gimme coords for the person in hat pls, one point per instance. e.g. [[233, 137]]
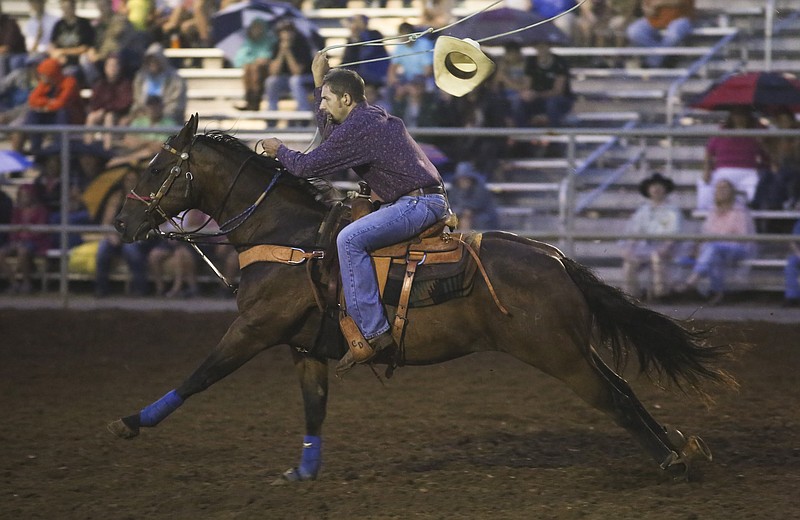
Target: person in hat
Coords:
[[56, 100], [471, 200], [377, 146], [157, 77], [655, 217]]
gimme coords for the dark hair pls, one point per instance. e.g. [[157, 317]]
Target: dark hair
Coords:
[[153, 100], [344, 81]]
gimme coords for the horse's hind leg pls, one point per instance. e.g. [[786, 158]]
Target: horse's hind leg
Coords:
[[632, 415], [313, 374], [602, 388]]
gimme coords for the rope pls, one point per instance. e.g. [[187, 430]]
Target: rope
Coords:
[[410, 38]]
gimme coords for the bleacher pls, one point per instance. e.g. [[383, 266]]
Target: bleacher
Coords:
[[607, 97]]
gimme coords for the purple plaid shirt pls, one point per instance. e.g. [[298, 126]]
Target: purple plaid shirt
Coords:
[[375, 144]]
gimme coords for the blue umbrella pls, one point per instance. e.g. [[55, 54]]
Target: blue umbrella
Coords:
[[11, 161], [229, 26]]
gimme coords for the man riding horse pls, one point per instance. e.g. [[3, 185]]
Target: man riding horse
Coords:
[[377, 146]]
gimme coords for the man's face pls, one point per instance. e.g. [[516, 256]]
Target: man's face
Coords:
[[334, 105]]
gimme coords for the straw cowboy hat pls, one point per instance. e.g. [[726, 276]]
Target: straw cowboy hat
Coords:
[[656, 178], [459, 65]]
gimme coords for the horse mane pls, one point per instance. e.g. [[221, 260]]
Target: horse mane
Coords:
[[321, 189]]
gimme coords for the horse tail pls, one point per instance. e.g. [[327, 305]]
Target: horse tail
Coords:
[[664, 346]]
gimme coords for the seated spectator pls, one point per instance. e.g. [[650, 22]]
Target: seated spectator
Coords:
[[116, 36], [657, 217], [112, 97], [550, 97], [666, 23], [784, 159], [413, 104], [290, 69], [72, 38], [15, 88], [714, 258], [437, 13], [12, 44], [410, 60], [602, 23], [137, 147], [55, 100], [38, 30], [158, 78], [791, 295], [471, 200], [253, 58], [24, 244], [187, 20], [373, 73], [513, 80], [111, 247], [484, 107], [736, 159], [180, 259]]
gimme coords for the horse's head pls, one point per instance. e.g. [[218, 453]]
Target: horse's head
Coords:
[[164, 188]]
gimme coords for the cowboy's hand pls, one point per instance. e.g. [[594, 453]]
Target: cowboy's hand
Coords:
[[320, 67], [271, 146]]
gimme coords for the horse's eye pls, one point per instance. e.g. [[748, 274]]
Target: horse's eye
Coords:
[[155, 171]]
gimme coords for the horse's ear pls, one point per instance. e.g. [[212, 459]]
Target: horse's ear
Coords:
[[191, 124]]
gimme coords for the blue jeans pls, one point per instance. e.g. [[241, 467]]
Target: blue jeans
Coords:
[[715, 257], [392, 223], [135, 255], [642, 34], [791, 271], [277, 85]]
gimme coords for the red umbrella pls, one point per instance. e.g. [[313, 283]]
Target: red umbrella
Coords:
[[761, 90]]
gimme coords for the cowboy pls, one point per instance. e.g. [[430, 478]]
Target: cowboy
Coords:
[[377, 146], [657, 217]]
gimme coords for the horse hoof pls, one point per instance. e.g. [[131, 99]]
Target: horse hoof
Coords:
[[678, 465], [292, 475], [122, 430]]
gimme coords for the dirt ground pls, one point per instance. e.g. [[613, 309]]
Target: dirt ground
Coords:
[[480, 437]]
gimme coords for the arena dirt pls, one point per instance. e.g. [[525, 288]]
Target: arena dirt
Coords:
[[480, 437]]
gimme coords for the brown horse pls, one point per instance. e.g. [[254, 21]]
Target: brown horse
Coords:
[[557, 307]]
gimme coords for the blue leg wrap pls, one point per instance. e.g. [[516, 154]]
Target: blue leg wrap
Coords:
[[158, 411], [312, 457]]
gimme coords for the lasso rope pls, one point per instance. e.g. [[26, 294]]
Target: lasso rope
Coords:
[[410, 38]]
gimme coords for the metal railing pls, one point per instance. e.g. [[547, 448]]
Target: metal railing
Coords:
[[568, 206]]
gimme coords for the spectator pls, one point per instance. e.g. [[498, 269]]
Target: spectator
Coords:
[[410, 60], [666, 23], [158, 78], [784, 155], [657, 217], [135, 254], [15, 88], [512, 79], [715, 257], [72, 38], [413, 104], [736, 159], [112, 97], [12, 44], [188, 21], [373, 73], [253, 58], [38, 29], [55, 100], [471, 200], [551, 8], [601, 23], [290, 68], [792, 271], [437, 13], [137, 147], [117, 37], [550, 97], [24, 243]]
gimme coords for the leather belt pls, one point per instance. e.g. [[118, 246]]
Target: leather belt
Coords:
[[429, 190]]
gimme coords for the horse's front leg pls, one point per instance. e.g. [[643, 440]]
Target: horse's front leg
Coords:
[[243, 340], [313, 374]]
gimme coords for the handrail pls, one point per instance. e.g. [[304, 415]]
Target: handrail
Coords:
[[673, 91]]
